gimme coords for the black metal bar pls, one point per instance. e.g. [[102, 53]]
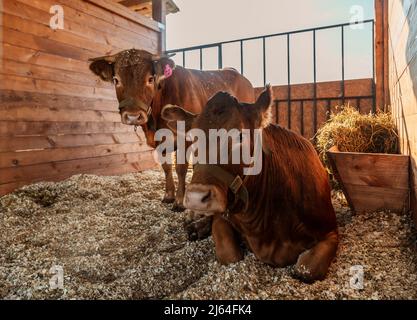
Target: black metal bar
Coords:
[[302, 118], [373, 69], [358, 101], [220, 51], [216, 44], [201, 59], [241, 57], [264, 59], [289, 81], [343, 65], [183, 58], [315, 82]]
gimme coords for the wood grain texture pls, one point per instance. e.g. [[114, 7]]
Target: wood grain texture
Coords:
[[372, 182], [57, 118], [403, 81]]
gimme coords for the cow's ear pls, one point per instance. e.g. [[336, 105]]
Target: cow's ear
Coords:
[[171, 114], [102, 68], [164, 68], [263, 107]]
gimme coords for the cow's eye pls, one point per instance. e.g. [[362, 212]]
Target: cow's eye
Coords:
[[115, 81]]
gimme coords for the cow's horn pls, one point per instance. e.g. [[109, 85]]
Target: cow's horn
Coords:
[[109, 59], [156, 57]]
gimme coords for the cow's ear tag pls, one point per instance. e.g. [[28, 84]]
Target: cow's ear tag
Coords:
[[167, 71]]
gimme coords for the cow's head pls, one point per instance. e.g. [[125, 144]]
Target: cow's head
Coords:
[[209, 190], [136, 75]]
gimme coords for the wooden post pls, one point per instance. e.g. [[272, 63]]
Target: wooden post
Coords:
[[381, 54], [159, 15]]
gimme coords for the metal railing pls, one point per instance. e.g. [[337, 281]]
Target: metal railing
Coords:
[[313, 31]]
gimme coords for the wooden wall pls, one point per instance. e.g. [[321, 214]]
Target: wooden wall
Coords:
[[304, 117], [402, 24], [56, 118]]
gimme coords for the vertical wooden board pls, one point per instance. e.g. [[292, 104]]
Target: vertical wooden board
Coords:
[[280, 92], [296, 117], [321, 113], [274, 109], [308, 119], [366, 106], [283, 114]]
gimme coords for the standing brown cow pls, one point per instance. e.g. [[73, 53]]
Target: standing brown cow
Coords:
[[284, 214], [145, 83]]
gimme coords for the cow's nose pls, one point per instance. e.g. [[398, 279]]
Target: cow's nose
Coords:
[[204, 198]]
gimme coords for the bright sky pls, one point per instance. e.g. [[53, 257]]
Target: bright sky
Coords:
[[207, 21]]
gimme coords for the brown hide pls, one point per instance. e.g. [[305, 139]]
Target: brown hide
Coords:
[[191, 89], [289, 201]]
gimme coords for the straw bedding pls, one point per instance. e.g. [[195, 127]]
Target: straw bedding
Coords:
[[115, 240]]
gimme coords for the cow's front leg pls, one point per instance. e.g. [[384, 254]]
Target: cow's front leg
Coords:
[[181, 170], [169, 196], [226, 241], [314, 263]]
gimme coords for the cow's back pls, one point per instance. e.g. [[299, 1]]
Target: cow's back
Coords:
[[293, 186], [191, 89]]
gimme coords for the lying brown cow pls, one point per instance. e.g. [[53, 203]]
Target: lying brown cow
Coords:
[[145, 83], [289, 217]]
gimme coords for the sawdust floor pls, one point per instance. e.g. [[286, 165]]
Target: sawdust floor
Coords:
[[115, 240]]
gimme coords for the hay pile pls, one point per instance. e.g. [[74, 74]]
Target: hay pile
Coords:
[[351, 131], [116, 240]]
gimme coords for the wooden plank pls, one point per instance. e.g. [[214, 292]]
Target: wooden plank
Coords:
[[9, 82], [308, 119], [126, 13], [364, 189], [31, 56], [159, 12], [27, 70], [34, 113], [406, 47], [379, 54], [296, 117], [23, 33], [63, 141], [80, 33], [91, 28], [24, 158], [23, 128], [52, 169], [10, 99], [368, 199], [109, 38], [145, 162], [332, 89], [372, 169], [90, 15]]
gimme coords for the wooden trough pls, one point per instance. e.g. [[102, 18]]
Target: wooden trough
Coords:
[[372, 181]]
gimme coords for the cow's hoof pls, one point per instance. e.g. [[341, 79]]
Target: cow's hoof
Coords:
[[302, 274], [176, 207], [198, 229], [168, 199]]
